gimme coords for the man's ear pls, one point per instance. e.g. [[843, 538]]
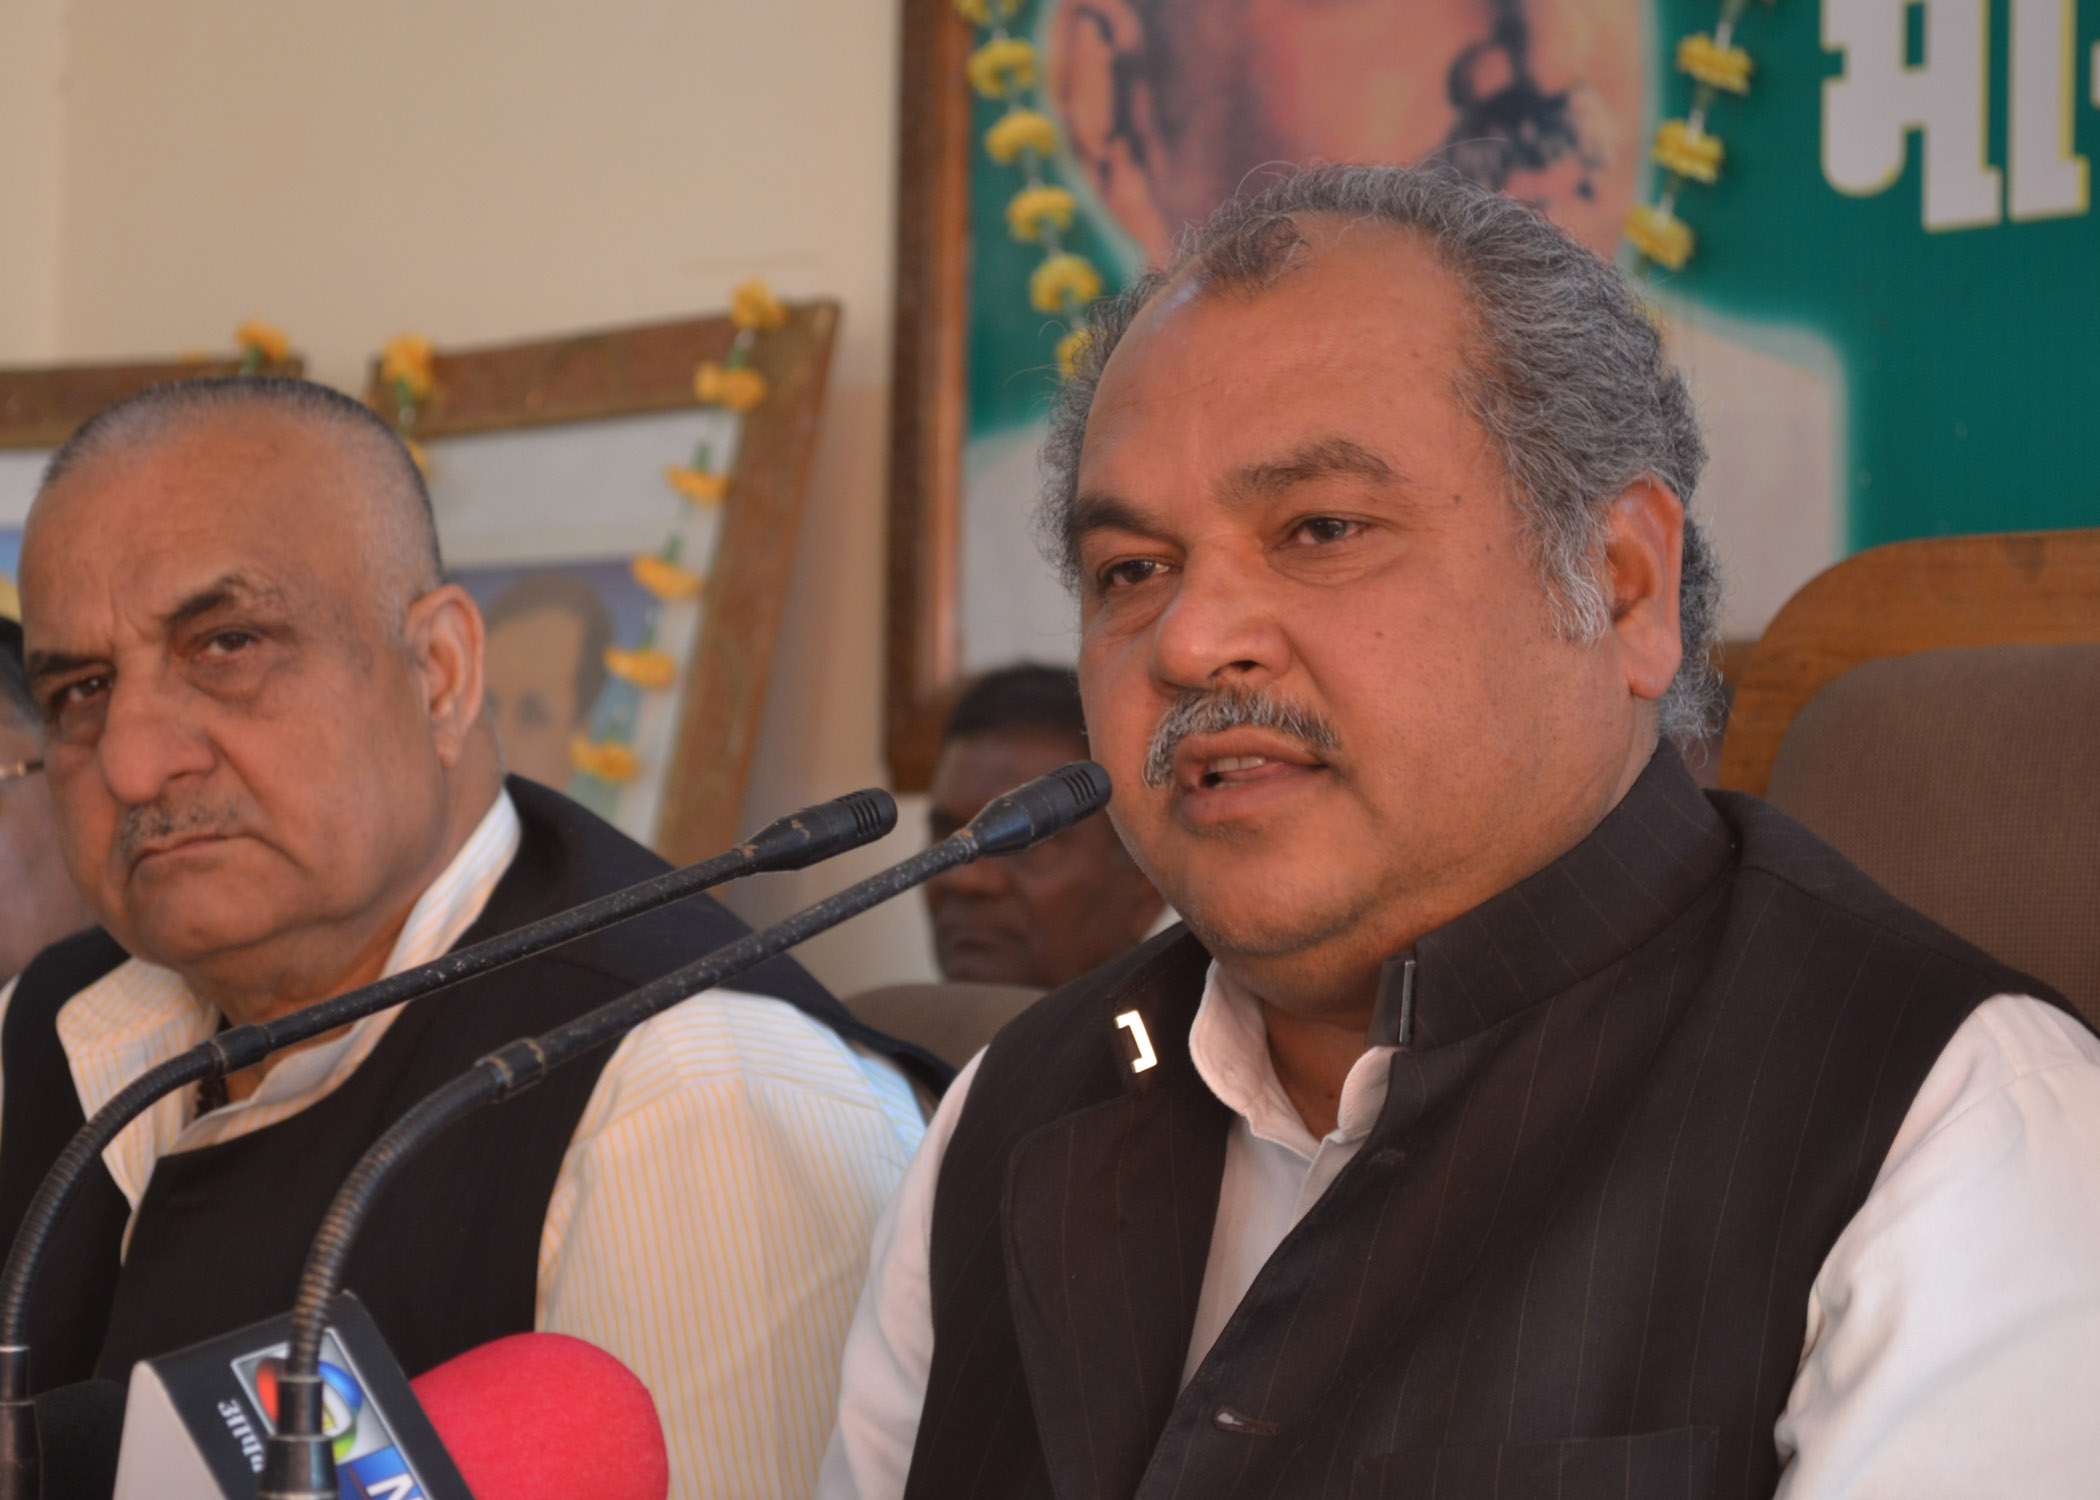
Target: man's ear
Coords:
[[445, 638], [1644, 555], [1104, 101]]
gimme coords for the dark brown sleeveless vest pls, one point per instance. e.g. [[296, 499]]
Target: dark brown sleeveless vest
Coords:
[[1648, 1087], [449, 1258]]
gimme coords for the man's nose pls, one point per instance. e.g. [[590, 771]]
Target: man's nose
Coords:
[[151, 735], [1223, 624]]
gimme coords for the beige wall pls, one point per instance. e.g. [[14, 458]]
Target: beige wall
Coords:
[[490, 169]]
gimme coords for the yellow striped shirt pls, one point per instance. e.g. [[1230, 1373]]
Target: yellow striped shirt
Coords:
[[711, 1218]]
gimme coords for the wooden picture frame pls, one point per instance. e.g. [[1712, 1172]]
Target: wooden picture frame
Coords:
[[607, 374], [40, 405], [924, 647]]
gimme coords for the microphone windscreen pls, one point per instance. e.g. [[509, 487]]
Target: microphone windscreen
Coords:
[[542, 1416], [78, 1430]]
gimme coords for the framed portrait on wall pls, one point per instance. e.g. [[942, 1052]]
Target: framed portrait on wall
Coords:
[[629, 545]]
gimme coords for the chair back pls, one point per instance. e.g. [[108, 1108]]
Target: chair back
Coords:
[[1967, 782]]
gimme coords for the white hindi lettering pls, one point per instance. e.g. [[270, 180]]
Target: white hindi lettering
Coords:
[[1871, 107]]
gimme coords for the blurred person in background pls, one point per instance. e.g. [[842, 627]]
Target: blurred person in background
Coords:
[[38, 904], [1049, 914]]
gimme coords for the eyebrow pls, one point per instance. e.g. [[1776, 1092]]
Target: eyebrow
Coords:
[[1324, 458], [226, 590]]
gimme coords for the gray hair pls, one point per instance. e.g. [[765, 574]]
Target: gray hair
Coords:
[[1565, 372], [409, 529], [17, 703]]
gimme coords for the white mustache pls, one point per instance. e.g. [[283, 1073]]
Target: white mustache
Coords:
[[1232, 708]]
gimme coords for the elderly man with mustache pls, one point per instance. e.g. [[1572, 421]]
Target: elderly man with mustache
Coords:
[[276, 780], [1511, 1119]]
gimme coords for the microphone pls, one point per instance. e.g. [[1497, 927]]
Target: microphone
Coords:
[[298, 1465], [535, 1416], [791, 843], [542, 1416]]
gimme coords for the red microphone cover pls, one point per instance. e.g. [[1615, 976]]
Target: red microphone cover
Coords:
[[542, 1416]]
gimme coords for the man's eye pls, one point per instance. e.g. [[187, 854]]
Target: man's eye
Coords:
[[226, 642], [1325, 529], [73, 694], [1131, 570]]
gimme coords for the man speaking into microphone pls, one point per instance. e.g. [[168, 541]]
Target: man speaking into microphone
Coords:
[[1511, 1119], [275, 782]]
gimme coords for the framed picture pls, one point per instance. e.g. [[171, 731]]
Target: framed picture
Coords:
[[40, 405], [629, 545]]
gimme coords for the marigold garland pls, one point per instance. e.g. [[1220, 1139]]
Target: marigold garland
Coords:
[[665, 579], [1006, 68], [753, 306], [1020, 130], [261, 344], [1034, 209], [697, 485], [1685, 150], [608, 760], [645, 667], [734, 385]]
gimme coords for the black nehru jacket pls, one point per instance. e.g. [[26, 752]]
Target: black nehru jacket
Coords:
[[1647, 1089], [449, 1257]]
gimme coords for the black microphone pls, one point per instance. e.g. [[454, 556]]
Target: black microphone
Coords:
[[298, 1464], [791, 843]]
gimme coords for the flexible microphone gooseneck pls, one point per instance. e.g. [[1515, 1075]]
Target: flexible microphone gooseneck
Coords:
[[298, 1464], [791, 843]]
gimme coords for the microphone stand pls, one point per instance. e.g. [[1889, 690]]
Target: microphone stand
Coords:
[[299, 1463], [790, 843]]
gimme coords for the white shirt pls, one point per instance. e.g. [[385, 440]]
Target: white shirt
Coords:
[[1950, 1338], [709, 1221]]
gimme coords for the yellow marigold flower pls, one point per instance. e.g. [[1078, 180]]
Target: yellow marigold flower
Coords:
[[609, 761], [739, 389], [753, 305], [1718, 67], [1063, 277], [980, 12], [697, 485], [1033, 207], [1686, 152], [406, 361], [1070, 347], [654, 670], [1020, 130], [664, 578], [1001, 65], [1662, 237], [265, 340]]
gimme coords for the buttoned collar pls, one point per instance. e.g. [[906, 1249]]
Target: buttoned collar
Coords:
[[1650, 858]]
